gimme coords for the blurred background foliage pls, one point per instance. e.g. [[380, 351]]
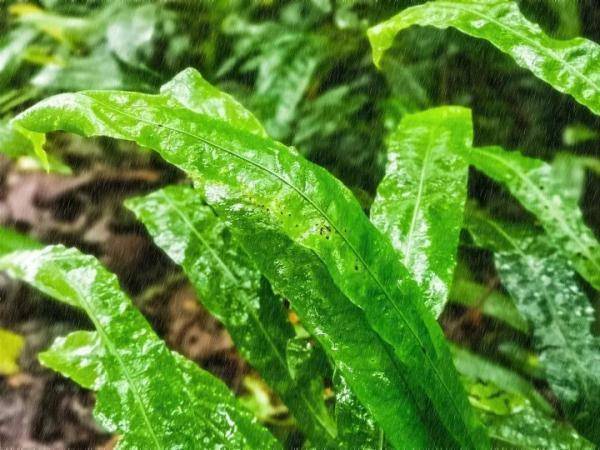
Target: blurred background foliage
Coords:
[[304, 68]]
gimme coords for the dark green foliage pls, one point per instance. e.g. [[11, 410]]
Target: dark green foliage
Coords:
[[264, 234]]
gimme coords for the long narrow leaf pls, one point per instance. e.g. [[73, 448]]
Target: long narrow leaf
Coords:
[[420, 201], [570, 66], [151, 396], [545, 193], [546, 293], [230, 287], [279, 205]]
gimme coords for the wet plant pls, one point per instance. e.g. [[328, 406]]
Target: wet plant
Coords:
[[262, 232]]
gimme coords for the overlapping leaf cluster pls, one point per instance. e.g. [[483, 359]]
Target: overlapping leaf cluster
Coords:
[[261, 225]]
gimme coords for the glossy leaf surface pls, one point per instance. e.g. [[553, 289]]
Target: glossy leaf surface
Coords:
[[356, 427], [230, 287], [419, 203], [552, 196], [570, 66], [141, 386], [191, 91], [279, 206], [546, 293]]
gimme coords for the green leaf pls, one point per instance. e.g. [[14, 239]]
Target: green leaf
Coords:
[[78, 357], [193, 92], [570, 66], [284, 61], [11, 345], [11, 240], [356, 427], [515, 414], [552, 197], [98, 69], [17, 142], [230, 287], [513, 422], [12, 49], [476, 367], [141, 386], [546, 293], [419, 203], [304, 230], [468, 292]]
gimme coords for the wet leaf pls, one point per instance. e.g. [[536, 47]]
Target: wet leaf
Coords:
[[193, 92], [546, 293], [356, 427], [420, 201], [230, 287], [77, 356], [151, 396], [11, 345], [304, 230], [550, 194], [569, 66]]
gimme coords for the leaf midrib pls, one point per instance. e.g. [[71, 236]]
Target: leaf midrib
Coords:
[[322, 213], [112, 349], [416, 208]]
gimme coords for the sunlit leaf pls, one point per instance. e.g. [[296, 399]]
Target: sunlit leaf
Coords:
[[420, 201], [303, 229], [570, 66], [152, 397]]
